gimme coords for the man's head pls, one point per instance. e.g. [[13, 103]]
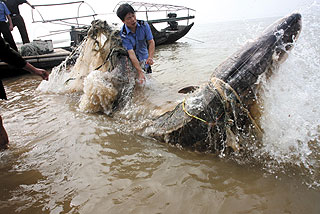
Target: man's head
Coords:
[[127, 14], [123, 10]]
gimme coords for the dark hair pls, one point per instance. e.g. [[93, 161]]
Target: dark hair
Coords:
[[123, 10]]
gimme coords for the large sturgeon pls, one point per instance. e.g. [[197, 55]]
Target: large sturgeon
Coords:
[[215, 116]]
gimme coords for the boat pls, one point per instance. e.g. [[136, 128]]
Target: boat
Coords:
[[41, 56], [52, 56], [173, 31], [78, 31], [45, 61]]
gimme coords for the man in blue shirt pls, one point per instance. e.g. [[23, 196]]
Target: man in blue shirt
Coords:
[[137, 39], [5, 30]]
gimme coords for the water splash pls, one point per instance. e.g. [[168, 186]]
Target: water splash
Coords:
[[291, 117], [99, 93], [291, 99], [99, 73]]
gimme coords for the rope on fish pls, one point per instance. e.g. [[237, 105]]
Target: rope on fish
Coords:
[[214, 81], [217, 83], [198, 118], [190, 115]]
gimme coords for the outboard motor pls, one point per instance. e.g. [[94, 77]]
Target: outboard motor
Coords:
[[173, 24]]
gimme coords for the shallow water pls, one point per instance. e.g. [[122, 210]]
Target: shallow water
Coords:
[[62, 160]]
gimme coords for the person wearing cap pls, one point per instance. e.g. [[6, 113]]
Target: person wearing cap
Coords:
[[137, 39], [17, 19], [6, 27], [12, 57]]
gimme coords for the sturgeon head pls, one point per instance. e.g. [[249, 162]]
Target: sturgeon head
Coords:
[[243, 68], [217, 115]]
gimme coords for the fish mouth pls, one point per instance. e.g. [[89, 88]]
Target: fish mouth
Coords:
[[289, 29], [287, 32]]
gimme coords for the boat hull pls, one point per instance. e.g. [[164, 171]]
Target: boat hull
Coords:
[[169, 36], [45, 61]]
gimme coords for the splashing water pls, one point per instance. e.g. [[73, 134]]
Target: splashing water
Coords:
[[98, 93], [93, 75], [290, 117], [291, 100]]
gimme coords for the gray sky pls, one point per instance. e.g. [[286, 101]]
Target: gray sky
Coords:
[[217, 10], [206, 11], [246, 9]]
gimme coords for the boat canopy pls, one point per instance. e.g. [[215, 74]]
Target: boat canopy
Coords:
[[64, 20], [145, 7]]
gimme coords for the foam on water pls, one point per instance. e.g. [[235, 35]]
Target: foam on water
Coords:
[[58, 80], [88, 60], [98, 93]]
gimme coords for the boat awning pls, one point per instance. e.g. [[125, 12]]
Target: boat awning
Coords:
[[170, 19]]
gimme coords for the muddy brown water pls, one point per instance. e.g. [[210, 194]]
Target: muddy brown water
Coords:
[[62, 160]]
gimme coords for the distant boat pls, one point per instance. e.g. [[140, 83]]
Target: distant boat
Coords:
[[54, 56], [45, 61], [167, 35], [39, 53], [173, 31]]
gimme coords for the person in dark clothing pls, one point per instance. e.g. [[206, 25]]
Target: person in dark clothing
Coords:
[[6, 28], [17, 19], [12, 57]]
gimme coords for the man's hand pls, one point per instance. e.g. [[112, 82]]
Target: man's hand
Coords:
[[151, 49], [149, 61], [141, 77], [10, 22], [137, 66], [42, 73]]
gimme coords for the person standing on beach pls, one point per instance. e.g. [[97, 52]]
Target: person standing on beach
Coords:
[[12, 57], [6, 28], [138, 40], [17, 19]]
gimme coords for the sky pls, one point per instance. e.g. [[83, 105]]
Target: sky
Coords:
[[207, 11]]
